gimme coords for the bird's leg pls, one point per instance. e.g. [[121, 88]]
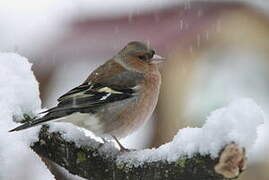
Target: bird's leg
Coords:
[[122, 148], [104, 140]]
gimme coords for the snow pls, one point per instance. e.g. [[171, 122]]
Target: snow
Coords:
[[75, 134], [238, 123], [19, 94], [260, 149], [227, 79], [83, 137]]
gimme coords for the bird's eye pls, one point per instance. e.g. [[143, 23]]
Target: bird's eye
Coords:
[[144, 58]]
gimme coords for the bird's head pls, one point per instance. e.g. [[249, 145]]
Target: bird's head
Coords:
[[139, 55]]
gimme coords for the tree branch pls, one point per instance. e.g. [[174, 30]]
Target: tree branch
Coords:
[[93, 163]]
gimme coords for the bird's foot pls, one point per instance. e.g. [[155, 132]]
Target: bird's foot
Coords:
[[122, 148]]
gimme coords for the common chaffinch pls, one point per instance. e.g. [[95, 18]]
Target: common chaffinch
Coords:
[[116, 98]]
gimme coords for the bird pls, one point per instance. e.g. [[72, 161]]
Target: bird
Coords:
[[115, 99]]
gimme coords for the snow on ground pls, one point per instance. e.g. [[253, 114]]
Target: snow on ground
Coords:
[[19, 94], [237, 123]]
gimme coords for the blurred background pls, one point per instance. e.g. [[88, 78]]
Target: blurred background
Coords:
[[216, 51]]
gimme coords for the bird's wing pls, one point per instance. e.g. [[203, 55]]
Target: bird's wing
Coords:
[[89, 96]]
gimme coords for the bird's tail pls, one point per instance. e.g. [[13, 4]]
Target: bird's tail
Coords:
[[32, 123]]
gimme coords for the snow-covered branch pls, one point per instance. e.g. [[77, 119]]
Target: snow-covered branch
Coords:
[[215, 151], [101, 161]]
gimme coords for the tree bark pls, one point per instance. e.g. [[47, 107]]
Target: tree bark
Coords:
[[91, 163]]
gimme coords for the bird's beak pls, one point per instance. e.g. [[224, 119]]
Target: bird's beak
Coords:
[[157, 59]]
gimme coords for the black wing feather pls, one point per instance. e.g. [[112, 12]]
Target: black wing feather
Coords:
[[82, 99]]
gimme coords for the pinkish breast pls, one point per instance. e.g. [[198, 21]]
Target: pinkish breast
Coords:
[[136, 114]]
